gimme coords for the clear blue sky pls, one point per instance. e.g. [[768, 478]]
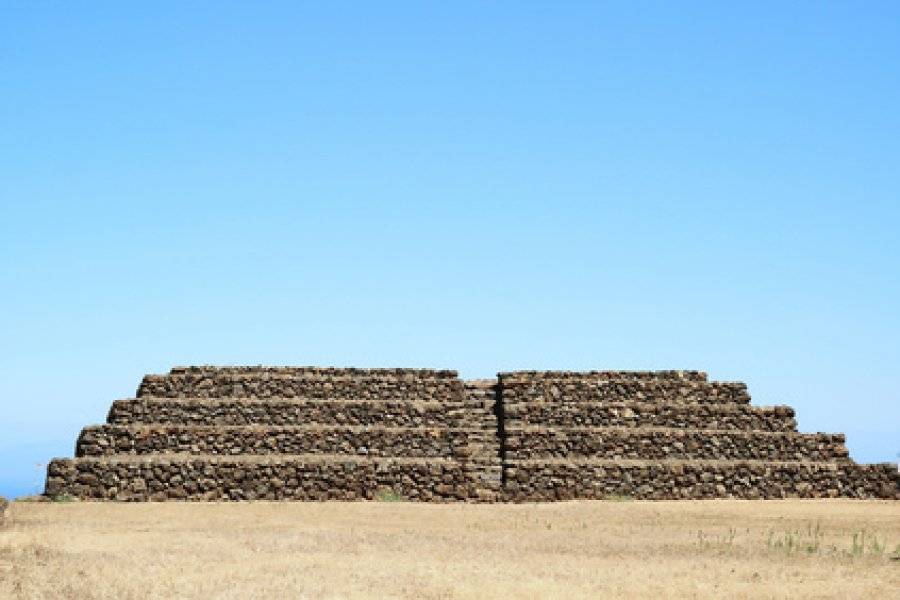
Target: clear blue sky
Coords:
[[479, 186]]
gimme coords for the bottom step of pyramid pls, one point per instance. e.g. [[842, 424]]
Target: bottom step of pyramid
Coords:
[[330, 477], [561, 479], [281, 477]]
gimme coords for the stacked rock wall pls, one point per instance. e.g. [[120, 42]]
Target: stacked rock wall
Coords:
[[289, 433], [241, 433], [302, 382], [665, 435], [671, 480]]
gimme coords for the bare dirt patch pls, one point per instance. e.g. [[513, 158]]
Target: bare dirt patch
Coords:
[[717, 548]]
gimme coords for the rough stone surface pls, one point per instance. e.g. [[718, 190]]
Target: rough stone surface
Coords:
[[244, 411], [545, 480], [413, 442], [272, 478], [310, 433], [520, 388], [737, 417], [304, 382], [645, 443], [599, 376]]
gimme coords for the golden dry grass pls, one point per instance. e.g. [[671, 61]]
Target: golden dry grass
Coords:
[[766, 549]]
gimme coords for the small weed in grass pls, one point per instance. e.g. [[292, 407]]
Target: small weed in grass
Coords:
[[724, 541], [862, 543], [865, 543], [388, 495], [895, 555], [618, 498]]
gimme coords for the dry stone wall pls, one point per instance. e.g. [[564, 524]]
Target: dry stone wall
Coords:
[[544, 480], [516, 388], [306, 382], [265, 478], [582, 377], [245, 411], [674, 436], [283, 433], [663, 444], [738, 417], [308, 433], [417, 442]]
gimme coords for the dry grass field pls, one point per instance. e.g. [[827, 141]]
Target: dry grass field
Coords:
[[734, 549]]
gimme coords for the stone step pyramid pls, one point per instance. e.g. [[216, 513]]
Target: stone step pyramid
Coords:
[[307, 433]]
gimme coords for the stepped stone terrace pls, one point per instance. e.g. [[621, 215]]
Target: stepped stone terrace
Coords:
[[308, 433]]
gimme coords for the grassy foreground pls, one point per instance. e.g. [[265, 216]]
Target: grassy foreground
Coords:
[[719, 548]]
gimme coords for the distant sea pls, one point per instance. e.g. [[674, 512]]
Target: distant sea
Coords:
[[15, 489]]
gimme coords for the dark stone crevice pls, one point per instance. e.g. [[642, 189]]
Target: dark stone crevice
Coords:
[[500, 414]]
